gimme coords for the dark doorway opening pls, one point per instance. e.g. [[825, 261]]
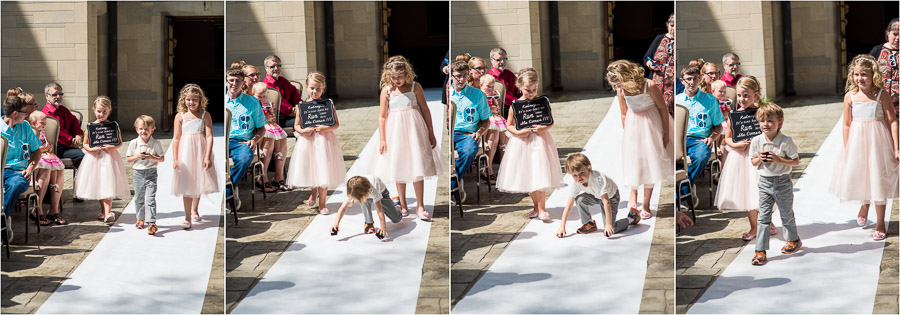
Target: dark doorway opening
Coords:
[[635, 25], [420, 31], [866, 22], [195, 55]]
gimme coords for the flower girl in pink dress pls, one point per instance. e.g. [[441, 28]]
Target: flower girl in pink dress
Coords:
[[192, 143], [646, 135], [867, 168], [101, 175], [317, 161], [407, 147], [531, 163]]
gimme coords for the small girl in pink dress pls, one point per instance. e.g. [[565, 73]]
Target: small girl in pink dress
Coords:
[[101, 175], [531, 163], [192, 143], [49, 169], [496, 134], [317, 161], [867, 168], [646, 136], [274, 143]]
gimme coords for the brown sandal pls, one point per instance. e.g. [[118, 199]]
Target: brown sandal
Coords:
[[56, 219], [39, 219]]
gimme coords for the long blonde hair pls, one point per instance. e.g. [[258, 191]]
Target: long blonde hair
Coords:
[[627, 74], [193, 89], [864, 62], [393, 65]]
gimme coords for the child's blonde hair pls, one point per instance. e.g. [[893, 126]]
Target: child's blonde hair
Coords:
[[192, 89], [577, 162], [358, 188], [717, 84], [770, 110], [627, 74], [526, 75], [258, 87], [867, 63], [34, 117], [318, 77], [104, 102], [146, 120], [396, 64], [487, 79]]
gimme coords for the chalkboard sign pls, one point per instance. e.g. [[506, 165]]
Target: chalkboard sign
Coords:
[[529, 113], [316, 113], [102, 134], [743, 125]]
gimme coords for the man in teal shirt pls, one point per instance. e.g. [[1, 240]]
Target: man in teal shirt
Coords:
[[22, 154], [247, 125], [472, 118]]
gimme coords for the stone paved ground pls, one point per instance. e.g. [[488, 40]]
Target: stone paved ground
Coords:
[[35, 270], [484, 231], [262, 235], [704, 250]]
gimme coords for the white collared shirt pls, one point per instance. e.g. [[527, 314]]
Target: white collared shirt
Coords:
[[782, 146], [138, 146]]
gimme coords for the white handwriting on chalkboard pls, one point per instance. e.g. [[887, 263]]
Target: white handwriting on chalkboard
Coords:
[[317, 113], [104, 134]]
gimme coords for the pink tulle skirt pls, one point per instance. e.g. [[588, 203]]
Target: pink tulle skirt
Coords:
[[409, 156], [530, 163], [190, 179], [101, 175], [739, 183], [274, 131], [497, 123], [645, 160], [866, 169], [317, 161], [50, 161]]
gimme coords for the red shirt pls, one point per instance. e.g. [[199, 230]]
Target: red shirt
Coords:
[[729, 80], [509, 80], [289, 94], [69, 127]]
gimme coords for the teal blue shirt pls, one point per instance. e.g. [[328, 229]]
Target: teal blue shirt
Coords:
[[471, 108], [704, 113], [22, 143], [246, 116]]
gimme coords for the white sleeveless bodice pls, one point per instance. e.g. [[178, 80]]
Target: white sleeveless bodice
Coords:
[[867, 110], [192, 126], [640, 102], [405, 100]]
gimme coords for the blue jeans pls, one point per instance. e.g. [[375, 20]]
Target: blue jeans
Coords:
[[467, 148], [242, 156], [699, 153], [14, 184]]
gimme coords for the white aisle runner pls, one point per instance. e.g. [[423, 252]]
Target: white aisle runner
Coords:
[[352, 272], [540, 273], [132, 272], [836, 270]]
